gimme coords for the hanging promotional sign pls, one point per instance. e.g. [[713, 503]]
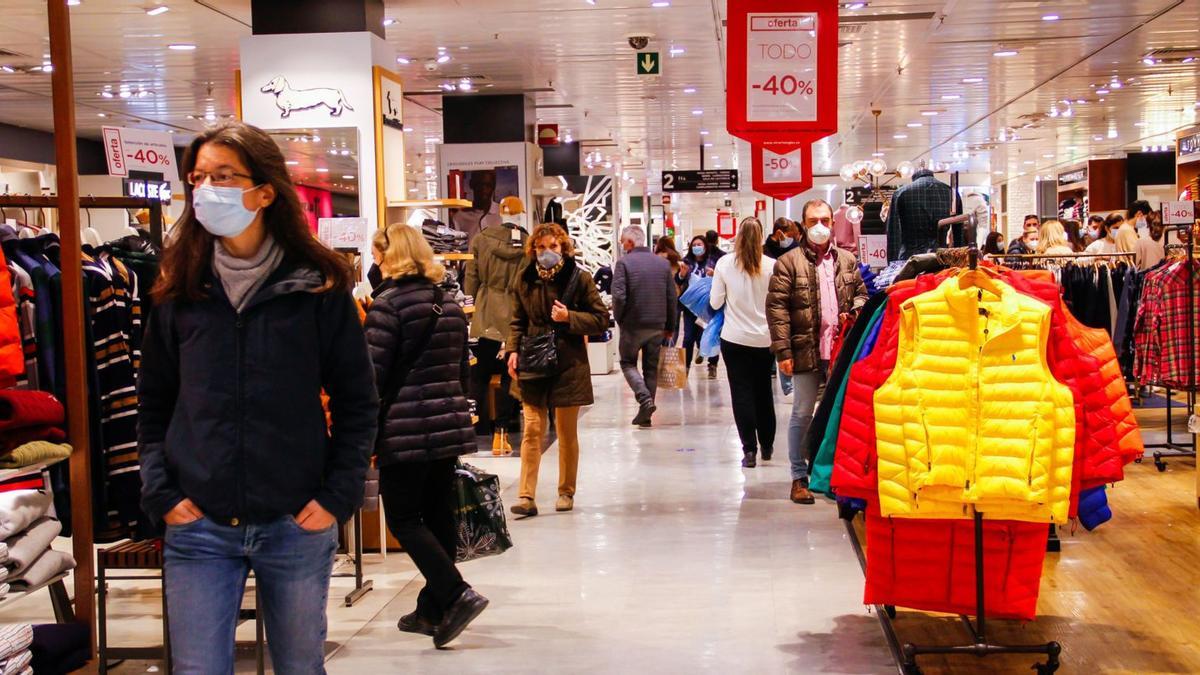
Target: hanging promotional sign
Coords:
[[726, 228], [781, 175], [782, 71], [140, 150]]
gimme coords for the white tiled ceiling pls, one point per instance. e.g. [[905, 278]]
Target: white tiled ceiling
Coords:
[[900, 56]]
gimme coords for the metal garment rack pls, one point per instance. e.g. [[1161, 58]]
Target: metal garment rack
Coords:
[[1060, 256], [361, 586], [1174, 449], [980, 647]]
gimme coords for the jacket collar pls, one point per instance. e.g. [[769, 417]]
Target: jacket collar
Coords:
[[966, 302], [288, 278], [399, 282]]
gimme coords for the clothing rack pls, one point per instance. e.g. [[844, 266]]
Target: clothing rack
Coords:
[[980, 646], [78, 413], [1186, 235], [1063, 256]]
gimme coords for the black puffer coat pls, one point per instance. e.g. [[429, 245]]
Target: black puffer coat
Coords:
[[430, 418]]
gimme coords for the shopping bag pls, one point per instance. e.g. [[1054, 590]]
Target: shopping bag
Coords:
[[710, 341], [479, 514], [696, 298], [672, 368]]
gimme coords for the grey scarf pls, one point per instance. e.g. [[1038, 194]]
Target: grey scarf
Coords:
[[242, 277]]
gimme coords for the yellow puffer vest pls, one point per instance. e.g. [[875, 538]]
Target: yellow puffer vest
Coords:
[[971, 418]]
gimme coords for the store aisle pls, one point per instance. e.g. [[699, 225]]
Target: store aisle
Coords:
[[675, 560]]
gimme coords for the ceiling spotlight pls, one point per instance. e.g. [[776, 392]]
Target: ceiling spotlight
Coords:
[[105, 94], [1102, 91], [403, 60], [660, 4], [1139, 124], [689, 90], [1048, 156], [388, 22], [900, 137], [1189, 59], [182, 47], [101, 115], [1050, 17], [73, 3], [929, 113], [1005, 52], [914, 125], [677, 51], [1112, 133], [1115, 84], [1149, 60], [853, 5], [591, 2], [972, 80], [155, 11], [348, 177], [950, 97], [464, 86], [444, 58], [704, 132], [321, 169], [697, 112], [291, 162]]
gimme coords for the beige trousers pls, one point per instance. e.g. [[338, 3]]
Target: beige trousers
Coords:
[[566, 424]]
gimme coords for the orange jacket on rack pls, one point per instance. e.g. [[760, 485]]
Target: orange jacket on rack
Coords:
[[972, 419], [12, 356]]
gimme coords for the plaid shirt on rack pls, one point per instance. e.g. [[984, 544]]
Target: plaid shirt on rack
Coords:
[[914, 214], [1163, 353]]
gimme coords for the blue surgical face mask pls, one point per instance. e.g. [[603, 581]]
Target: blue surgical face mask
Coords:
[[1094, 232], [548, 259], [220, 210], [786, 242], [698, 251]]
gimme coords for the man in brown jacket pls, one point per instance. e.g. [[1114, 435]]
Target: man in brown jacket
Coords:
[[812, 288]]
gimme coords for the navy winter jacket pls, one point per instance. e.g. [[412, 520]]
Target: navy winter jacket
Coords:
[[230, 411]]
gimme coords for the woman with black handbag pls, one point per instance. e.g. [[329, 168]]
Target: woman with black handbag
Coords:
[[418, 342], [555, 305]]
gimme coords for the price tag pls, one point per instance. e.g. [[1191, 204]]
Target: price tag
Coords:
[[872, 250], [781, 67], [787, 168], [1179, 213], [343, 233]]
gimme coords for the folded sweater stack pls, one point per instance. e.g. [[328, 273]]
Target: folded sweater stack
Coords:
[[27, 532], [27, 416], [15, 655]]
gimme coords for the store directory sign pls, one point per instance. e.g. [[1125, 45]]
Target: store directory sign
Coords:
[[723, 180]]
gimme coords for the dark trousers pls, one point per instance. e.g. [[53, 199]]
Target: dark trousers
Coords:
[[691, 338], [486, 366], [416, 500], [749, 370], [648, 343]]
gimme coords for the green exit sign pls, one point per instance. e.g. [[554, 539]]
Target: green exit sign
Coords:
[[649, 63]]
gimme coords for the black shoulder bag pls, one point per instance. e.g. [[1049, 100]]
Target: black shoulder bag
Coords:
[[401, 369], [537, 355]]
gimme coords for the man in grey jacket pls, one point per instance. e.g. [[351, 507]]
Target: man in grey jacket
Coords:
[[644, 304]]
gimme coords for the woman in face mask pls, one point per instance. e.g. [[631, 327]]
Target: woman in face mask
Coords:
[[702, 263], [784, 238], [553, 295], [253, 320], [1102, 234]]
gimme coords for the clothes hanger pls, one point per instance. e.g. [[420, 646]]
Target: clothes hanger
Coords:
[[90, 236]]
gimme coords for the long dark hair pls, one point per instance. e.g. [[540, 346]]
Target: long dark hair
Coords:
[[188, 256], [691, 257]]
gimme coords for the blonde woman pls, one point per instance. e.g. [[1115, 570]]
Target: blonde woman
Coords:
[[1053, 240], [740, 288], [418, 342], [553, 295]]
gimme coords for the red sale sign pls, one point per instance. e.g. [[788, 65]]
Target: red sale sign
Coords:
[[782, 71], [781, 174]]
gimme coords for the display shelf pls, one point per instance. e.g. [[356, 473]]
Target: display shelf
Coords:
[[14, 598], [429, 204], [7, 474]]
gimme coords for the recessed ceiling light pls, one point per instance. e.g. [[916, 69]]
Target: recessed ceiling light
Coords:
[[321, 169], [1050, 156], [1028, 161], [1115, 84], [929, 113], [1102, 91], [677, 51], [101, 115], [105, 94], [10, 69], [1139, 124], [388, 22], [950, 97], [900, 137], [73, 3], [697, 112], [1112, 133], [291, 162], [689, 90], [155, 11], [914, 125], [1005, 52], [348, 177], [708, 145], [1050, 17], [854, 5], [403, 60], [1097, 138], [443, 58], [590, 2], [408, 129], [182, 47], [972, 80], [660, 3], [704, 132]]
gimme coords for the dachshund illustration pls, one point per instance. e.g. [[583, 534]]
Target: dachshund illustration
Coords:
[[288, 99]]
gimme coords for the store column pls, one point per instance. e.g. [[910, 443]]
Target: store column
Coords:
[[317, 73]]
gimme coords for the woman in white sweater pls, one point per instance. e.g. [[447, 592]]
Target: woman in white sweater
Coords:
[[740, 287]]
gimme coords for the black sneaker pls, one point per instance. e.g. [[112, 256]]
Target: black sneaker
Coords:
[[642, 420], [464, 610], [712, 371], [767, 453], [749, 461], [415, 623]]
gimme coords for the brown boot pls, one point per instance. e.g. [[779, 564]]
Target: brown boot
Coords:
[[801, 493]]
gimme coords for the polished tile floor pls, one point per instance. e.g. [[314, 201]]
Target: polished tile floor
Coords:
[[675, 560]]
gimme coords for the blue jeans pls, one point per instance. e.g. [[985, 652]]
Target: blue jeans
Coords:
[[206, 569], [808, 388]]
